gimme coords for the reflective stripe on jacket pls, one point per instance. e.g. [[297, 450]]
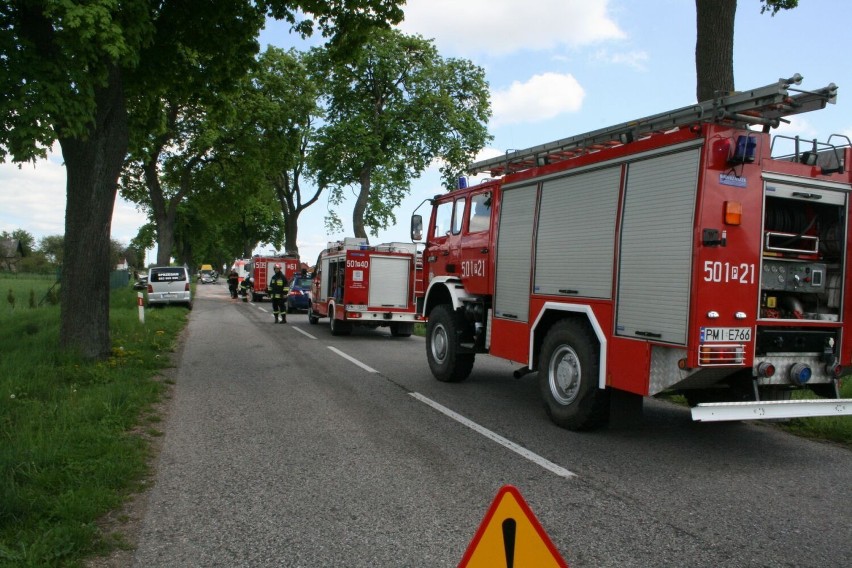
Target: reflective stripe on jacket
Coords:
[[278, 286]]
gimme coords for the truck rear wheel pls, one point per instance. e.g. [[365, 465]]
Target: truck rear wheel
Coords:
[[402, 329], [442, 346], [338, 327], [568, 378]]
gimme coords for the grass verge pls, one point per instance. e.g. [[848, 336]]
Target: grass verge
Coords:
[[833, 428], [69, 452]]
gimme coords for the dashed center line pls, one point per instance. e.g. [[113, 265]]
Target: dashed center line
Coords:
[[302, 332], [353, 360], [493, 436], [520, 450]]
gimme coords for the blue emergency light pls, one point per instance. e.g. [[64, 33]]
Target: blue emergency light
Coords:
[[744, 152]]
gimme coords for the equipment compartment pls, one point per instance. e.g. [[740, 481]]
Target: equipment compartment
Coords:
[[803, 239]]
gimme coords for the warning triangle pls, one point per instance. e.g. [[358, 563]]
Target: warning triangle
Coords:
[[511, 536]]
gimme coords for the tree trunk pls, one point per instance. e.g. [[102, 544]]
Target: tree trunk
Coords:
[[165, 240], [361, 204], [162, 211], [291, 233], [93, 165], [714, 47]]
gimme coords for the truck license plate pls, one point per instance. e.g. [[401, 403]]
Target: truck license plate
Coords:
[[711, 334]]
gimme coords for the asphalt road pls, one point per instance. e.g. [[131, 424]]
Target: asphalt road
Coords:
[[286, 446]]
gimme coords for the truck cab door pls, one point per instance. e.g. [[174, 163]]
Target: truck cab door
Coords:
[[443, 253], [475, 251]]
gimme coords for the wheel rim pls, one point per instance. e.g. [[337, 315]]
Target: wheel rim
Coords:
[[440, 343], [564, 374]]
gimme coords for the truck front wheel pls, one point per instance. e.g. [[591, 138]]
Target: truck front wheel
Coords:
[[442, 346], [568, 378]]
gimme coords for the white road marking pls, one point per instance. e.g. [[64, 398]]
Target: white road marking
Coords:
[[523, 452], [302, 332], [353, 360]]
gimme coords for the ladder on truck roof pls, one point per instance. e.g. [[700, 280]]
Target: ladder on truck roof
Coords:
[[765, 106]]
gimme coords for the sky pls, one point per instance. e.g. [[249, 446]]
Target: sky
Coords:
[[555, 68]]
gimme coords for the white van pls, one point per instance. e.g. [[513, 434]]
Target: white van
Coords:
[[169, 285]]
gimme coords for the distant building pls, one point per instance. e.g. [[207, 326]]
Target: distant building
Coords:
[[11, 251]]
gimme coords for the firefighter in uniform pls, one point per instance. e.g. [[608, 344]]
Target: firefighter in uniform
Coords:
[[245, 288], [278, 290], [233, 283]]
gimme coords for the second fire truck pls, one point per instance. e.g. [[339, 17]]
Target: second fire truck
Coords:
[[359, 284], [679, 253]]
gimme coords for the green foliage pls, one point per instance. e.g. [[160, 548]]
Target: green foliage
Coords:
[[393, 108], [774, 6], [56, 56], [69, 72], [52, 248], [66, 457], [35, 262], [268, 144]]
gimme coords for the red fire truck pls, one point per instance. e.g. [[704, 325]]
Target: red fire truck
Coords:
[[359, 284], [679, 253], [262, 269]]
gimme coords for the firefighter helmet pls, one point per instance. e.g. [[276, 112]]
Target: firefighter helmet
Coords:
[[277, 266]]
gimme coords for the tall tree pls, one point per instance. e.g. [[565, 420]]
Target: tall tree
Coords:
[[161, 172], [67, 69], [714, 45], [277, 111], [51, 247], [393, 108]]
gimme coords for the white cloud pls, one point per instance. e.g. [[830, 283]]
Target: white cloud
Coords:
[[32, 197], [797, 126], [542, 97], [633, 59], [505, 26]]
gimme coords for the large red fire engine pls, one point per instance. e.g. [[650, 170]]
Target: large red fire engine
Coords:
[[671, 254], [359, 284], [262, 269]]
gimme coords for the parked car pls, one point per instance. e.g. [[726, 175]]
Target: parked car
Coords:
[[208, 277], [169, 285], [299, 297]]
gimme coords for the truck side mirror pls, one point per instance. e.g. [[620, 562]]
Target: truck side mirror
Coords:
[[416, 227]]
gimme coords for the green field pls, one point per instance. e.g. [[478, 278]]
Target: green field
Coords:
[[21, 291], [69, 452]]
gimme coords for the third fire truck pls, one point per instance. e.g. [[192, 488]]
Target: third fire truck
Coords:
[[678, 253], [359, 284], [262, 269]]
